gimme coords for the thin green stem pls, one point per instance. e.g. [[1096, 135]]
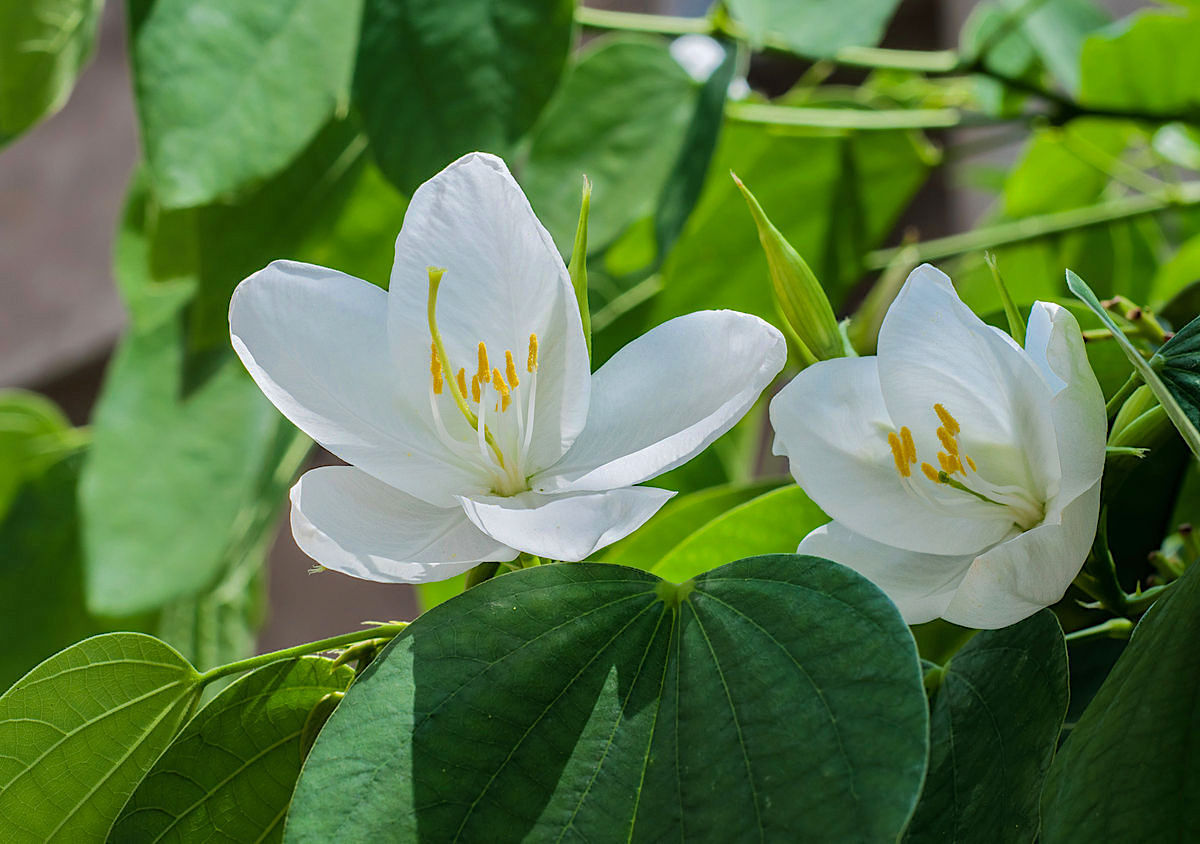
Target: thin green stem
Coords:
[[1114, 628], [381, 631], [846, 118], [1042, 225], [1119, 397], [637, 22]]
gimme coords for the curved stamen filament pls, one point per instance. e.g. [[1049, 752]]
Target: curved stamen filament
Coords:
[[476, 422]]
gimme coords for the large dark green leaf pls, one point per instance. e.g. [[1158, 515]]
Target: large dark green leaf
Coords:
[[43, 46], [79, 732], [1128, 771], [233, 767], [1149, 64], [619, 118], [229, 92], [816, 28], [994, 724], [777, 698], [1178, 365], [828, 195], [436, 80]]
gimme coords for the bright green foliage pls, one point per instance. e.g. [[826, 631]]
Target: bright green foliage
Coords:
[[853, 188], [1149, 65], [777, 698], [817, 28], [436, 80], [1133, 745], [43, 46], [79, 731], [34, 435], [1065, 167], [775, 522], [619, 119], [996, 712], [234, 766], [156, 528], [1177, 273], [676, 521], [229, 92]]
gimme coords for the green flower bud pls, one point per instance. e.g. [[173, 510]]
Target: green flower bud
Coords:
[[798, 295]]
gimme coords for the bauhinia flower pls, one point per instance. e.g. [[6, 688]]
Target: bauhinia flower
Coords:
[[463, 397], [962, 472]]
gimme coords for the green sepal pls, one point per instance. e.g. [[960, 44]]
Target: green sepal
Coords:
[[798, 294], [578, 267]]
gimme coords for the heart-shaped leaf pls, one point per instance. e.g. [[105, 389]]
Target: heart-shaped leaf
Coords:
[[776, 698]]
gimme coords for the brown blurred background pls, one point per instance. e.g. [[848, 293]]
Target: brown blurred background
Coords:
[[61, 189]]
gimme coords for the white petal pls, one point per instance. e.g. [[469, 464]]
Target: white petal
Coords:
[[565, 527], [920, 585], [315, 341], [666, 396], [350, 522], [504, 281], [832, 425], [1055, 345], [1017, 578], [934, 350]]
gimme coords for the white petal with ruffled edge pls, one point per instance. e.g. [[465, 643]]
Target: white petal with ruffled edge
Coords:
[[832, 425], [666, 396], [920, 585], [315, 341], [1017, 578], [934, 350], [1055, 345], [350, 522], [566, 526], [504, 280]]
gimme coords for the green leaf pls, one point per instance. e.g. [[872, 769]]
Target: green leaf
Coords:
[[1178, 273], [1178, 365], [436, 80], [173, 480], [775, 522], [619, 119], [676, 521], [233, 767], [778, 698], [228, 92], [824, 194], [43, 46], [1148, 64], [1184, 422], [1133, 745], [1064, 167], [429, 595], [818, 28], [80, 731], [34, 435], [994, 723]]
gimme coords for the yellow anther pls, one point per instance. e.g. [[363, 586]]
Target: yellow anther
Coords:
[[510, 370], [475, 388], [970, 462], [505, 401], [435, 368], [955, 465], [898, 455], [498, 382], [484, 369], [910, 448], [931, 473], [462, 381], [944, 460], [949, 421], [948, 441], [532, 364]]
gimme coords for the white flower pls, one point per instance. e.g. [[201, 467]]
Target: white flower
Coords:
[[961, 471], [464, 400]]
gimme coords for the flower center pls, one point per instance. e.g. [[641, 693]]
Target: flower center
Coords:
[[488, 386], [959, 472]]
